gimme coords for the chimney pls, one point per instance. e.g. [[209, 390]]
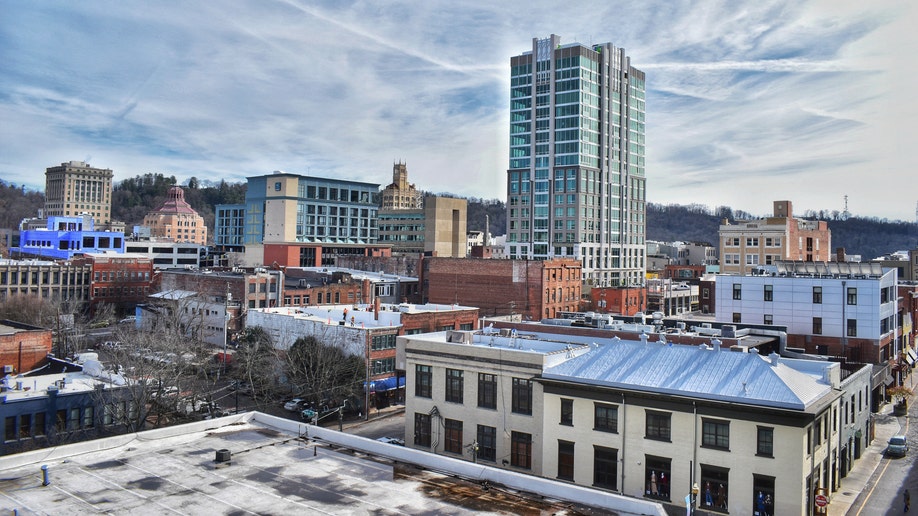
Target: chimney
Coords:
[[840, 255], [774, 358], [376, 309], [487, 231]]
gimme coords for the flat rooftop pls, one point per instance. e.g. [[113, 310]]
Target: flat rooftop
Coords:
[[271, 470]]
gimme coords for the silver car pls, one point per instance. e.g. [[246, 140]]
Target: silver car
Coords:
[[897, 446]]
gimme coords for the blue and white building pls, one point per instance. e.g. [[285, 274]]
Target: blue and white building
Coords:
[[65, 237]]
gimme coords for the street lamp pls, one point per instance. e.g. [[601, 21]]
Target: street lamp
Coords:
[[226, 318]]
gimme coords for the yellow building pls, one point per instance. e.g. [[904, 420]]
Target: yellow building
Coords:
[[176, 220]]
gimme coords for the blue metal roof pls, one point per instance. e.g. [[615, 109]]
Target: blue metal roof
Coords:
[[700, 372]]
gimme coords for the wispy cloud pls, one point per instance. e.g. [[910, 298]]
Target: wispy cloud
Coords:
[[799, 100]]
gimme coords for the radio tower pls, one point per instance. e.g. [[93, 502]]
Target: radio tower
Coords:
[[845, 214]]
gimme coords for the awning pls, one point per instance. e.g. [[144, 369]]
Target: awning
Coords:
[[911, 357], [386, 384]]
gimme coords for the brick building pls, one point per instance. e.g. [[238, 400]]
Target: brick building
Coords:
[[176, 220], [23, 347], [618, 300], [748, 244], [120, 280], [533, 288]]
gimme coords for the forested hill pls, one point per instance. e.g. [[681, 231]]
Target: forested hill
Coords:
[[865, 236]]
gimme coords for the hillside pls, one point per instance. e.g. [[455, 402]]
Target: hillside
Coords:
[[864, 236]]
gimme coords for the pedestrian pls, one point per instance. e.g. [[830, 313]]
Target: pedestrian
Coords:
[[907, 497]]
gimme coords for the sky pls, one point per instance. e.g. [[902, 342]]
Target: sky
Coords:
[[747, 101]]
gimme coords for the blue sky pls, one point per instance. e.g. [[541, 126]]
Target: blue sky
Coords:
[[747, 102]]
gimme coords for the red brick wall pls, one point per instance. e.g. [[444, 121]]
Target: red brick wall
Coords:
[[502, 287], [432, 321], [858, 350], [623, 301], [25, 349]]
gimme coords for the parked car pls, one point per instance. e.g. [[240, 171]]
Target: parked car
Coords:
[[294, 405], [129, 319], [897, 446]]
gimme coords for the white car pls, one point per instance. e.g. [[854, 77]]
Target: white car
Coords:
[[294, 404]]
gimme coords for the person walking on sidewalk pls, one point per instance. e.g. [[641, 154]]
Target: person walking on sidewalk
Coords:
[[907, 498]]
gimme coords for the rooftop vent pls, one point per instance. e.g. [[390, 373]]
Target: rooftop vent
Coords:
[[223, 455]]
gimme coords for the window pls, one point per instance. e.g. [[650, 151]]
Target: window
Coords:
[[39, 424], [765, 441], [454, 385], [768, 319], [769, 293], [852, 295], [453, 436], [487, 443], [817, 325], [817, 295], [763, 495], [423, 381], [737, 317], [737, 292], [521, 450], [714, 487], [9, 433], [565, 460], [522, 396], [25, 426], [605, 467], [89, 420], [605, 418], [715, 434], [658, 425], [487, 391], [422, 429], [852, 327], [656, 477], [567, 412]]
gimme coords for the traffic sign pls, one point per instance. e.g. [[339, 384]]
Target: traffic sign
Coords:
[[821, 500]]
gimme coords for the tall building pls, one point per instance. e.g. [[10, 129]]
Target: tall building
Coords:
[[176, 220], [576, 182], [75, 188], [400, 194], [747, 244]]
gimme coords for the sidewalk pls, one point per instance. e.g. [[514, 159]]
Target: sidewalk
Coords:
[[886, 425], [375, 415]]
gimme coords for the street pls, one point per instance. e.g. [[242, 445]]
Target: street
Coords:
[[883, 494]]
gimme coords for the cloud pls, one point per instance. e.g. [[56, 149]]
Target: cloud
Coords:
[[797, 100]]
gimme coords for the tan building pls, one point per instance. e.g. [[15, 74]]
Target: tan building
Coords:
[[437, 229], [75, 188], [400, 194], [176, 220], [748, 244]]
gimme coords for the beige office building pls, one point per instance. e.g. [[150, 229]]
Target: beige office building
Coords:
[[74, 188]]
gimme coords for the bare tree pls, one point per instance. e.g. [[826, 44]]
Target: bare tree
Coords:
[[324, 373], [257, 364]]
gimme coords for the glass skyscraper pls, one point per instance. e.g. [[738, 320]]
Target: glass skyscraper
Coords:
[[576, 182]]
